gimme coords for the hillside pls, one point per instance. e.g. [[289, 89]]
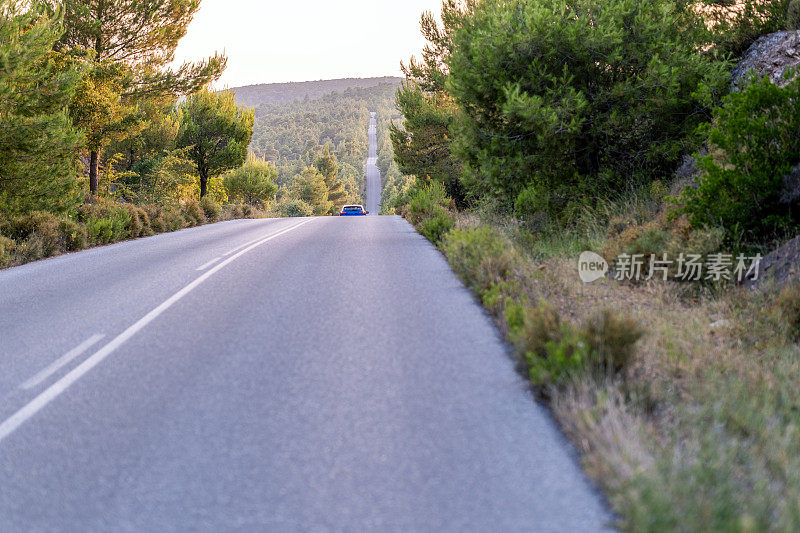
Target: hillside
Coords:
[[283, 93]]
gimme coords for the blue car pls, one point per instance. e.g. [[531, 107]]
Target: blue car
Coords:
[[353, 211]]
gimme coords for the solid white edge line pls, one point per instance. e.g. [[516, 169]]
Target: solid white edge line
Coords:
[[59, 363], [206, 265], [52, 392]]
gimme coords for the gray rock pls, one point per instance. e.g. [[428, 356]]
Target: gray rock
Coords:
[[781, 266], [790, 187], [770, 55]]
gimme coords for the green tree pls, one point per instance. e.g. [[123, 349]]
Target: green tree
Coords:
[[422, 144], [38, 143], [564, 102], [131, 42], [216, 131], [309, 186], [252, 183], [328, 166]]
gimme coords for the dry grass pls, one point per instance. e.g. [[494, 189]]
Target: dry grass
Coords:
[[700, 429]]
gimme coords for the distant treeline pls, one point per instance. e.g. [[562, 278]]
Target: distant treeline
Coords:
[[284, 93]]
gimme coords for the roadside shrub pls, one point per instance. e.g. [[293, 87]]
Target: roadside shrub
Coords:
[[435, 228], [610, 340], [193, 213], [7, 251], [556, 351], [173, 218], [755, 133], [39, 227], [109, 226], [154, 216], [480, 256], [427, 202], [211, 209], [787, 305], [553, 350], [72, 235], [232, 212], [139, 225], [294, 208]]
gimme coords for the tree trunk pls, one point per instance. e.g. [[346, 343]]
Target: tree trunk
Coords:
[[93, 163], [203, 184]]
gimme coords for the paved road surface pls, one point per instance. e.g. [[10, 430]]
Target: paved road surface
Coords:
[[373, 174], [325, 374]]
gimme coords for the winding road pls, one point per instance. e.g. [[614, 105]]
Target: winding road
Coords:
[[319, 374]]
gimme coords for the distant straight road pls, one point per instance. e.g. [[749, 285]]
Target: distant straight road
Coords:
[[373, 174]]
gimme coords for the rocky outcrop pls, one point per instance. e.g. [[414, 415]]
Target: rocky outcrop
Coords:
[[770, 55], [790, 188], [779, 267]]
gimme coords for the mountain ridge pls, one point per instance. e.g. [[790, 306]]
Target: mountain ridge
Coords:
[[281, 93]]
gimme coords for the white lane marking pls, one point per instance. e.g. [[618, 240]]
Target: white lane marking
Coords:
[[206, 265], [62, 361], [248, 243], [54, 390]]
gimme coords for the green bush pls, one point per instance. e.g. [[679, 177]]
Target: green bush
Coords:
[[193, 213], [756, 131], [232, 212], [565, 103], [295, 208], [43, 234], [8, 247], [139, 224], [427, 202], [787, 305], [435, 228], [109, 226], [72, 235], [211, 209], [155, 217], [173, 218], [610, 340], [556, 352], [480, 256], [252, 183]]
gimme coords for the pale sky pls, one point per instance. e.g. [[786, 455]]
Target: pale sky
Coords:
[[301, 40]]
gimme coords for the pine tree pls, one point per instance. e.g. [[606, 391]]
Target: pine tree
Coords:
[[37, 140], [216, 131], [131, 43], [309, 186], [422, 144], [328, 166]]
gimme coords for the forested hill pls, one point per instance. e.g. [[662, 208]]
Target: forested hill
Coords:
[[282, 93]]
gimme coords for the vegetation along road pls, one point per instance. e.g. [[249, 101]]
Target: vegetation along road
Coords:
[[290, 374]]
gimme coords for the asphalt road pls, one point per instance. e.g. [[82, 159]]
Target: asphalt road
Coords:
[[325, 374], [373, 174]]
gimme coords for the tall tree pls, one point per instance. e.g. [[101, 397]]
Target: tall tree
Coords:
[[140, 36], [328, 166], [422, 144], [37, 140], [216, 131]]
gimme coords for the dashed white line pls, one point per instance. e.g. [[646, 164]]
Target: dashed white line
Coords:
[[54, 390], [62, 361]]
